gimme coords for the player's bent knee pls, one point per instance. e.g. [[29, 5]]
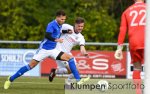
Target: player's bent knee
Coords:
[[64, 56], [137, 65], [70, 56], [33, 63]]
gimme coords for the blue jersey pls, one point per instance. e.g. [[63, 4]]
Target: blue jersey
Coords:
[[54, 28]]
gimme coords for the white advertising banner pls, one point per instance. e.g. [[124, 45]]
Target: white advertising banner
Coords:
[[11, 60]]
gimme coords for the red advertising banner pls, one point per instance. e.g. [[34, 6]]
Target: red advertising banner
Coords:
[[46, 65], [99, 62]]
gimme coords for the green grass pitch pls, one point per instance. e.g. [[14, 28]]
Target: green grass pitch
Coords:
[[41, 85], [33, 85]]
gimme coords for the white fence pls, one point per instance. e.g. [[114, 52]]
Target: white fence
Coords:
[[129, 66]]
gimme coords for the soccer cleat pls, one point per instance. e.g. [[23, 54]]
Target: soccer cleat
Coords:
[[52, 75], [83, 80], [7, 83]]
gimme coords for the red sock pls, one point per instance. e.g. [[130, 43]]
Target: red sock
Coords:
[[136, 74], [137, 80]]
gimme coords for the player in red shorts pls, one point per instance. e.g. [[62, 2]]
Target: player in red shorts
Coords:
[[133, 21]]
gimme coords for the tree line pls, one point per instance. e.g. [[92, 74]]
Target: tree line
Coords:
[[26, 20]]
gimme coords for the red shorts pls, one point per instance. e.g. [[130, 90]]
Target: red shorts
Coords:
[[137, 55]]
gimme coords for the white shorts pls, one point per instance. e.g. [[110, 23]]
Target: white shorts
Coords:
[[42, 54], [62, 64]]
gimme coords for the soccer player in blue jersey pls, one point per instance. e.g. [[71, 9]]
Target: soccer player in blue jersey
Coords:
[[47, 49]]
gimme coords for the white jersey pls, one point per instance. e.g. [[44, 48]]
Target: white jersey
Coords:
[[70, 40]]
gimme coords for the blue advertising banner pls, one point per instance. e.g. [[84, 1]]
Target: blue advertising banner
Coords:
[[13, 59]]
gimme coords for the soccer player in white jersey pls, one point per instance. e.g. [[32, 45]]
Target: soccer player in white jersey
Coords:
[[69, 41]]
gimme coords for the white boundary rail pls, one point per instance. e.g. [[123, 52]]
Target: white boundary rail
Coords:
[[87, 43], [37, 42]]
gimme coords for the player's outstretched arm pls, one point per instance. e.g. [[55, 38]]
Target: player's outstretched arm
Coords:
[[83, 51], [59, 40]]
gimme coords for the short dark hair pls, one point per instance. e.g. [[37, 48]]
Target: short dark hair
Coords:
[[60, 13], [79, 20]]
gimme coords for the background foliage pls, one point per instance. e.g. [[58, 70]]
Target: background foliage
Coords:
[[27, 19]]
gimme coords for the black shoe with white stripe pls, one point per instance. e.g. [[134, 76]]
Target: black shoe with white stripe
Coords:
[[52, 75]]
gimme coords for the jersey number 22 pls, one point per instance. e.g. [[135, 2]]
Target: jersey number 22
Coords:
[[135, 14]]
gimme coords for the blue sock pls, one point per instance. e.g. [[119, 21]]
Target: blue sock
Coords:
[[20, 72], [73, 69]]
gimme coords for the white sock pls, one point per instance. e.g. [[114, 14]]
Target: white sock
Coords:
[[70, 76], [61, 71]]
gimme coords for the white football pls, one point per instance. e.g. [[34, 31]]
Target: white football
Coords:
[[103, 84]]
